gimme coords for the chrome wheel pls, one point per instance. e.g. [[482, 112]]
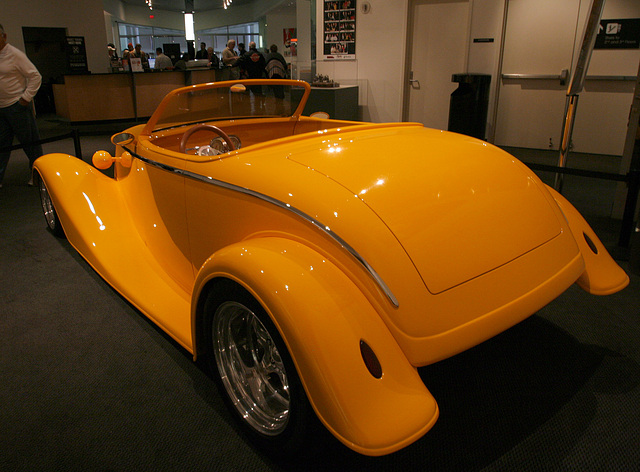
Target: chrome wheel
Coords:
[[47, 206], [251, 368], [50, 215]]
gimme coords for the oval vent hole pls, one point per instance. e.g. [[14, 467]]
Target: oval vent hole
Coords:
[[370, 360], [591, 244]]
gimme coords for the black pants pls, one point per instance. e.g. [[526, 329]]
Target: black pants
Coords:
[[18, 120]]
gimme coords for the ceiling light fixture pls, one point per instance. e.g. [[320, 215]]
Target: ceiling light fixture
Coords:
[[149, 4], [227, 3], [189, 31]]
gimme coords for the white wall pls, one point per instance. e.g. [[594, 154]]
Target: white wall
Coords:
[[276, 23], [382, 38], [484, 57], [379, 67], [302, 60], [603, 107], [381, 53], [545, 41], [380, 64], [81, 19]]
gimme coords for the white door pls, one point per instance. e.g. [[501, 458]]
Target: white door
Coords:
[[543, 37], [539, 42], [438, 50]]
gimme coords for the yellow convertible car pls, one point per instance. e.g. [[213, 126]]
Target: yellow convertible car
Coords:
[[314, 263]]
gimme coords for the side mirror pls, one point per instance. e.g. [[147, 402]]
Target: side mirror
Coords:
[[238, 88], [103, 160], [122, 139]]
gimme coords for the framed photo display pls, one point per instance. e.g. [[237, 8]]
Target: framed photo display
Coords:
[[340, 29]]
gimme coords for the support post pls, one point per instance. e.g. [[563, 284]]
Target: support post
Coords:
[[76, 143], [577, 84]]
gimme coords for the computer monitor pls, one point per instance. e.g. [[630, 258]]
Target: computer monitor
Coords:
[[172, 50]]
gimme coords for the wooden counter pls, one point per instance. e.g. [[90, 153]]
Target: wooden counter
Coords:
[[204, 76], [95, 97], [151, 87], [120, 96]]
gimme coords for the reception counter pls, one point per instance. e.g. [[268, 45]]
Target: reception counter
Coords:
[[121, 96]]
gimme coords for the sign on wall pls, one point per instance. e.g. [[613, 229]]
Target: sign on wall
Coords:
[[290, 41], [76, 55], [619, 34], [340, 29]]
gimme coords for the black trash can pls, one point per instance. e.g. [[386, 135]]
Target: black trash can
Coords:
[[469, 104]]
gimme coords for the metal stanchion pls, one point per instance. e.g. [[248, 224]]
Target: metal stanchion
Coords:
[[631, 154], [76, 143], [577, 84], [630, 206], [565, 142]]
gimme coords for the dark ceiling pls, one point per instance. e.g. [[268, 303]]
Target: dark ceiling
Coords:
[[178, 5]]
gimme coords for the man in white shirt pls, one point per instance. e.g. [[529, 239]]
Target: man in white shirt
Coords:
[[229, 59], [19, 82], [162, 61]]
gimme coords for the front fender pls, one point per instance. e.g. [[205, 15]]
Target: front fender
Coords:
[[73, 185], [322, 317], [602, 275], [97, 223]]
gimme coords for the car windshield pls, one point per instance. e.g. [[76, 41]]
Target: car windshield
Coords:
[[229, 101]]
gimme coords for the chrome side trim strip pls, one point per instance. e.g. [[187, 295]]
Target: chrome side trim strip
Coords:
[[285, 206]]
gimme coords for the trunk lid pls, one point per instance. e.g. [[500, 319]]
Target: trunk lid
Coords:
[[459, 207]]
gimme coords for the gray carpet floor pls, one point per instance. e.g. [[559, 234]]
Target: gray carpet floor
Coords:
[[88, 384]]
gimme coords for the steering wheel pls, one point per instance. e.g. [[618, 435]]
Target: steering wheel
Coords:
[[187, 134]]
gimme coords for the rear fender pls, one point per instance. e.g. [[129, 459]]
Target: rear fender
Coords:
[[322, 317], [602, 275]]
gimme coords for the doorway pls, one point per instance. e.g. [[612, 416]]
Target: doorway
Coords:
[[45, 48], [439, 32], [538, 46]]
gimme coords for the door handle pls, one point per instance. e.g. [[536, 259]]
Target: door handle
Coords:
[[563, 77], [413, 81]]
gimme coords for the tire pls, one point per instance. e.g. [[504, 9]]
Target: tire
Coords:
[[255, 374], [50, 214]]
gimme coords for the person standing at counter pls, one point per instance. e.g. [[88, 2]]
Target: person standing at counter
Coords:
[[229, 59], [138, 52], [181, 64], [127, 52], [202, 53], [252, 62], [276, 67], [19, 82], [115, 63], [111, 51], [162, 61], [214, 62]]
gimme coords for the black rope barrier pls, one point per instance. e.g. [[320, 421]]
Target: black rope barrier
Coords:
[[580, 172], [632, 179], [74, 134]]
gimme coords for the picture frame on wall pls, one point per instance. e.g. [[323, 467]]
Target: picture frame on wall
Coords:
[[339, 30]]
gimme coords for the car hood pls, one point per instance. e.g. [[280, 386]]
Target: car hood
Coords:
[[458, 206]]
